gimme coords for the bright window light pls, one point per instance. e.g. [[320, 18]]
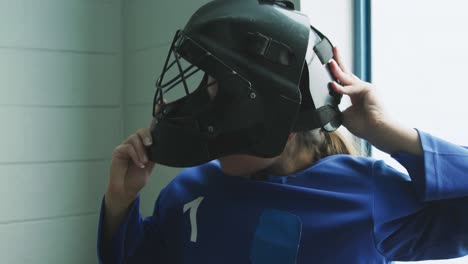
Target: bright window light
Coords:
[[419, 62]]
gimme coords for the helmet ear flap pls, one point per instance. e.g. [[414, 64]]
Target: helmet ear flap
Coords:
[[306, 98], [327, 115]]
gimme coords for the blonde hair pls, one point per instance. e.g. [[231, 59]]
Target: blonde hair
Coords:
[[321, 144]]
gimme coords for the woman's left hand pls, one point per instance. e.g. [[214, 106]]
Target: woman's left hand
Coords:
[[366, 117], [366, 112]]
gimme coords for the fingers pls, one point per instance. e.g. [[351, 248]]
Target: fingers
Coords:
[[145, 137], [157, 108], [343, 77], [339, 60], [137, 145], [341, 71], [350, 89], [127, 151]]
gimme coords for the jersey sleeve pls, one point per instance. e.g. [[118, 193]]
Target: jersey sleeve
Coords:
[[423, 216], [138, 240]]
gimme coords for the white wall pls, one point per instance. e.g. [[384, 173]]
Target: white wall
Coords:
[[60, 112]]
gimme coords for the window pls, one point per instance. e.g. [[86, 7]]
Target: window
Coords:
[[419, 62], [419, 58]]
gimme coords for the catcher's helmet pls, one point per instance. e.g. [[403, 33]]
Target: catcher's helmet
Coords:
[[271, 70]]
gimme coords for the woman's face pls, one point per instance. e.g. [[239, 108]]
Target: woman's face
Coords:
[[212, 89]]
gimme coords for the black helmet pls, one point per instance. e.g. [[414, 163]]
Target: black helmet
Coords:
[[271, 70]]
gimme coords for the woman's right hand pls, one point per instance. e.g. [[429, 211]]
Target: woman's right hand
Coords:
[[129, 171]]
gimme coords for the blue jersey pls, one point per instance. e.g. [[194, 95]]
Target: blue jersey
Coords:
[[342, 209]]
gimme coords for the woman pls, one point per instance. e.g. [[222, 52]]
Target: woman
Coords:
[[312, 203]]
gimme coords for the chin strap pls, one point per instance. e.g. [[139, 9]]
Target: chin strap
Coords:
[[316, 118]]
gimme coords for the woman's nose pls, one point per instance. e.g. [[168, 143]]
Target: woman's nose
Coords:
[[212, 88]]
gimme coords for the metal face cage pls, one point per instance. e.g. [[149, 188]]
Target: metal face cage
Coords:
[[191, 64]]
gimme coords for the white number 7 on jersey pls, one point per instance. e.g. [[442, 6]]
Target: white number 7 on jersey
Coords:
[[193, 207]]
